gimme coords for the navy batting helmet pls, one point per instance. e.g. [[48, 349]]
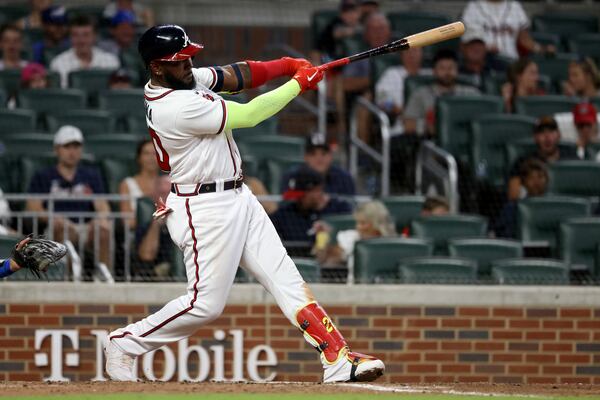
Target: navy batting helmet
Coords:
[[166, 43]]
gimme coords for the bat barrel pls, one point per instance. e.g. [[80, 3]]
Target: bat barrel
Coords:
[[436, 35]]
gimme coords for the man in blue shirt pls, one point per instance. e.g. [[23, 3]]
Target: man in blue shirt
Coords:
[[68, 179], [318, 156], [308, 203]]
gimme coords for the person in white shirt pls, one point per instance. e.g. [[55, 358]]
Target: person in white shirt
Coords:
[[504, 25], [83, 54], [389, 89], [11, 44]]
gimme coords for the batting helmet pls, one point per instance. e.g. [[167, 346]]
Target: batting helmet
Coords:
[[166, 43]]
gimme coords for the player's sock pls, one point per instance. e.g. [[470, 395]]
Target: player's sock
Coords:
[[340, 364]]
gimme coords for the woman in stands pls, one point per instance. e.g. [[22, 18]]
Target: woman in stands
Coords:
[[373, 220], [143, 183], [584, 79], [523, 77]]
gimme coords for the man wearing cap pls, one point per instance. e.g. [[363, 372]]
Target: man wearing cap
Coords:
[[69, 178], [83, 54], [476, 62], [54, 40], [585, 117], [318, 156], [546, 137], [308, 203]]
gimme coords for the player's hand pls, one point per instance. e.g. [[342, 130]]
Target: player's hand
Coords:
[[308, 78], [292, 65]]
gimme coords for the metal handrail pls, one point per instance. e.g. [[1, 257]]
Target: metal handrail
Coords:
[[452, 172], [357, 144]]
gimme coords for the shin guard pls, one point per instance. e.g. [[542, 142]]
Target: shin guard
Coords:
[[319, 330]]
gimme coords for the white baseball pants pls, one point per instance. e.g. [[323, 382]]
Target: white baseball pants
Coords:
[[217, 232]]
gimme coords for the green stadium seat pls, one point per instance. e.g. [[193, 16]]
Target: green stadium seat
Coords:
[[115, 170], [17, 121], [524, 147], [586, 44], [442, 228], [29, 143], [11, 13], [91, 122], [530, 271], [133, 63], [113, 145], [309, 269], [3, 99], [564, 24], [453, 119], [484, 251], [404, 209], [579, 241], [547, 38], [573, 178], [381, 63], [339, 223], [122, 103], [10, 80], [491, 132], [263, 147], [267, 127], [406, 23], [540, 217], [136, 124], [412, 83], [28, 166], [556, 67], [438, 270], [250, 166], [539, 106], [376, 260], [51, 101], [276, 168], [91, 81]]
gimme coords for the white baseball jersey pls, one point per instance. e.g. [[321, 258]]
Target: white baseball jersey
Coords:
[[188, 131]]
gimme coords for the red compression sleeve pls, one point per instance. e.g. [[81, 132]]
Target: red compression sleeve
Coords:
[[263, 71]]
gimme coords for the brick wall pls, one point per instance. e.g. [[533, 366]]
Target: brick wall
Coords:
[[418, 344]]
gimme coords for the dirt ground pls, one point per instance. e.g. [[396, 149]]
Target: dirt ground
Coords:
[[40, 388]]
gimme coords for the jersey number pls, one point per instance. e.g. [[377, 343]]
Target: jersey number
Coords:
[[161, 154]]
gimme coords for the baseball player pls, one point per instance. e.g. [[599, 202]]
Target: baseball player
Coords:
[[211, 215]]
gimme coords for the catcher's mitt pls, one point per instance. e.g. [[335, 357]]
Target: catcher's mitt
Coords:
[[37, 253]]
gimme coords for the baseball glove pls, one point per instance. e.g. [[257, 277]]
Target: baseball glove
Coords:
[[37, 253]]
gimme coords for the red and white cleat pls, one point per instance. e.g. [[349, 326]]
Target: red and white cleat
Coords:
[[119, 366], [354, 367]]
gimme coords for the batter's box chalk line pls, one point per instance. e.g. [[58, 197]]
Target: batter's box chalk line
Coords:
[[429, 389]]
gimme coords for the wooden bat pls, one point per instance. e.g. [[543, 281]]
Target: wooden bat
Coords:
[[421, 39]]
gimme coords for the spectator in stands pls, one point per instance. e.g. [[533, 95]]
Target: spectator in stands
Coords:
[[122, 34], [373, 220], [318, 157], [357, 75], [54, 40], [143, 183], [367, 7], [67, 179], [154, 245], [34, 76], [120, 79], [435, 205], [419, 112], [34, 19], [534, 176], [584, 79], [476, 62], [585, 117], [308, 204], [546, 136], [11, 44], [523, 77], [345, 25], [505, 26], [389, 90], [83, 53], [142, 14]]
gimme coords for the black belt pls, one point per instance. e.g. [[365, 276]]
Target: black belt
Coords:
[[209, 187]]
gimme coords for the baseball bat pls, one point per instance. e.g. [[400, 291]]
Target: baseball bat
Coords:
[[421, 39]]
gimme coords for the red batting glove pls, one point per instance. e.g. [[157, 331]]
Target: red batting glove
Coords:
[[308, 78], [292, 65]]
